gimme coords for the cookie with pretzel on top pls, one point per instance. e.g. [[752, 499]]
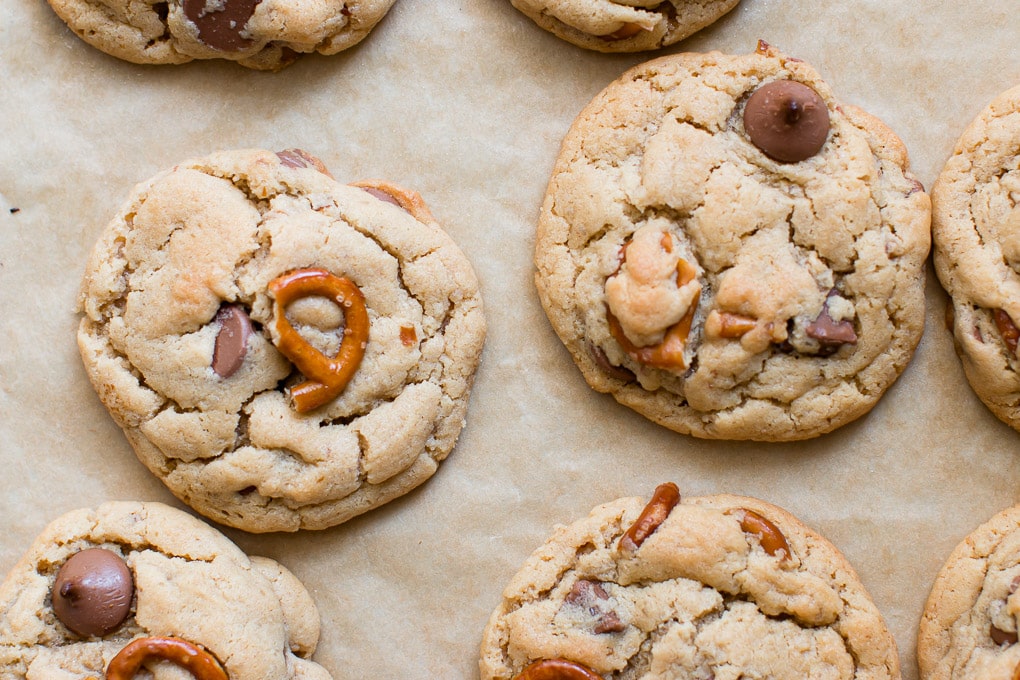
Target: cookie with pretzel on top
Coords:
[[704, 587], [284, 351], [142, 588], [731, 251]]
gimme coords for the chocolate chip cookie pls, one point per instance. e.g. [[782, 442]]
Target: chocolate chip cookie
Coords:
[[127, 584], [730, 251], [970, 622], [623, 25], [259, 34], [283, 350], [976, 238], [708, 587]]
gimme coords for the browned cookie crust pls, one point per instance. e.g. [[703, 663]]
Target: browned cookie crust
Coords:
[[718, 274], [969, 627], [976, 238], [259, 34]]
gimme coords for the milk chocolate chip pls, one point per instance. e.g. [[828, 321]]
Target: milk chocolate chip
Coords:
[[92, 593], [787, 120], [231, 341], [221, 22]]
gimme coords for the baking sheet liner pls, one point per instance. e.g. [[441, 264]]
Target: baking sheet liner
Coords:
[[467, 101]]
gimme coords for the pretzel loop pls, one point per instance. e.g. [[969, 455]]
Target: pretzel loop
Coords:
[[188, 656], [326, 376]]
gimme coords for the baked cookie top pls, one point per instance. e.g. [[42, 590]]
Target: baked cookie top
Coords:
[[711, 587], [259, 34], [283, 350], [623, 25], [976, 238], [143, 581], [970, 622], [731, 252]]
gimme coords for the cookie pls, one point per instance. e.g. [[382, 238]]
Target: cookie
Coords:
[[710, 587], [284, 351], [623, 25], [259, 34], [970, 622], [976, 239], [104, 590], [731, 252]]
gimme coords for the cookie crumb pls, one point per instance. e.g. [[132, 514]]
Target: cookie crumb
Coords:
[[15, 210]]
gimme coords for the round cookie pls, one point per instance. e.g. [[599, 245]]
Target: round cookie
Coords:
[[710, 587], [970, 622], [187, 588], [259, 34], [283, 350], [729, 251], [623, 25], [976, 239]]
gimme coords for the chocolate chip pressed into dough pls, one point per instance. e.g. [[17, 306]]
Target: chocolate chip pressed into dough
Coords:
[[718, 290], [976, 239], [246, 432], [258, 34], [968, 630], [705, 594], [190, 583], [623, 25]]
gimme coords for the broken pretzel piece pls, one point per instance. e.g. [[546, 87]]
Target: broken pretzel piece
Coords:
[[664, 499]]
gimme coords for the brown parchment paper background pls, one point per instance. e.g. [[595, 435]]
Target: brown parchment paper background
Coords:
[[467, 101]]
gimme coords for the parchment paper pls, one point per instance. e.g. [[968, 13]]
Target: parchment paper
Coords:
[[467, 101]]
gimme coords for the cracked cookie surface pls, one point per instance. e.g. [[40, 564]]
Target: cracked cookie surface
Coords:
[[714, 289], [623, 25], [976, 239], [701, 591], [192, 346], [969, 626], [189, 582], [258, 34]]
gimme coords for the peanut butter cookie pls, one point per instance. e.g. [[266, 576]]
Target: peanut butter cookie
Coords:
[[976, 237], [731, 252], [711, 587], [259, 34], [969, 626], [283, 350], [623, 25], [141, 584]]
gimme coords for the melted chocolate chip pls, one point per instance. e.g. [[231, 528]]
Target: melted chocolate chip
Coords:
[[787, 120], [92, 592], [221, 22], [231, 341], [1001, 637]]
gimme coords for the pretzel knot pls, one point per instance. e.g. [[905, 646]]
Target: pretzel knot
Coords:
[[188, 656], [326, 376]]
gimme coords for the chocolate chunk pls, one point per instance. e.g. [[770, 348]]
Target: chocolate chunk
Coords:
[[787, 120], [1001, 637], [382, 195], [92, 593], [591, 596], [1007, 329], [221, 22], [299, 158], [231, 341], [831, 333], [618, 372]]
